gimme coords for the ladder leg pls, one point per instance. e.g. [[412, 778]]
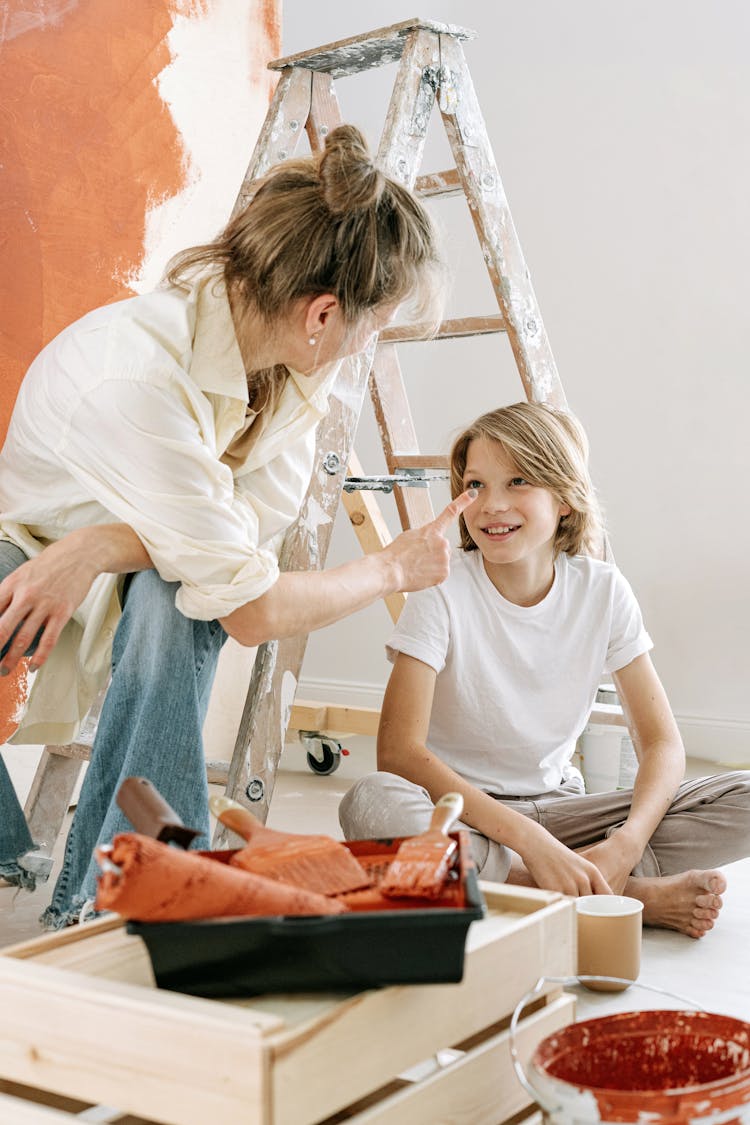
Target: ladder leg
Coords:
[[281, 130], [467, 134], [260, 739], [397, 432], [370, 528], [405, 130], [48, 803], [325, 113]]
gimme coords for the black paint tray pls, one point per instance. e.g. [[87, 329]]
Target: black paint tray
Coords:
[[416, 942]]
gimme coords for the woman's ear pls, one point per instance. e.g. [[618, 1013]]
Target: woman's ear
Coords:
[[565, 510], [318, 311]]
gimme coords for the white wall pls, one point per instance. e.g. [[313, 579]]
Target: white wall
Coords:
[[621, 133]]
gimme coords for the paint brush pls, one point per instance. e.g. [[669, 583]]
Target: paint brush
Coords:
[[316, 863], [422, 862]]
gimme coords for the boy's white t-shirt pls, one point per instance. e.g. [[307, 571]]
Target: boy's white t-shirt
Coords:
[[515, 684]]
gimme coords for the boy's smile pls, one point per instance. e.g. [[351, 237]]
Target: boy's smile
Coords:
[[512, 522]]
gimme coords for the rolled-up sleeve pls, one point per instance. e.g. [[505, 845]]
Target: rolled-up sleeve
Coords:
[[144, 451]]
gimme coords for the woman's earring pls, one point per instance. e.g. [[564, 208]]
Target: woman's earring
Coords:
[[312, 341]]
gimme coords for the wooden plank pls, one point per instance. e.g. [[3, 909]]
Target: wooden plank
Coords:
[[421, 1019], [171, 1058], [19, 1111], [334, 719], [467, 134], [49, 942], [481, 1087], [363, 52], [448, 330], [439, 183]]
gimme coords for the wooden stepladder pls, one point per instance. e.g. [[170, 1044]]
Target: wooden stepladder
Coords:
[[432, 69]]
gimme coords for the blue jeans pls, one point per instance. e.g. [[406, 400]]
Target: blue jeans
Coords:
[[15, 839], [163, 666]]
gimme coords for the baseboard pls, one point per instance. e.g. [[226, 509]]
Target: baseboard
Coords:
[[724, 741], [341, 691]]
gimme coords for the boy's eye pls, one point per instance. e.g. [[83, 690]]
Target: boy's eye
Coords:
[[518, 481]]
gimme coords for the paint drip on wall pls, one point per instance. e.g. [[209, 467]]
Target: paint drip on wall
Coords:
[[122, 139]]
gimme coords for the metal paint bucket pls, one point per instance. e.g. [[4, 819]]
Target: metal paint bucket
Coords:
[[657, 1067]]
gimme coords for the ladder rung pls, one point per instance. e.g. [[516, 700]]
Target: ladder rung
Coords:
[[439, 183], [362, 52], [418, 461], [448, 330]]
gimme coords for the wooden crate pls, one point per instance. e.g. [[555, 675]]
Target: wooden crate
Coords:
[[81, 1017]]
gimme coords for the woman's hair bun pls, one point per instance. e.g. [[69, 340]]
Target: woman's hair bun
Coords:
[[349, 180]]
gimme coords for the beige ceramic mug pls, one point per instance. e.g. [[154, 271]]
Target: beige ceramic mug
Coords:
[[609, 939]]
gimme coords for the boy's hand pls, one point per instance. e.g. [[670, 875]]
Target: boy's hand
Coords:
[[614, 859], [554, 867]]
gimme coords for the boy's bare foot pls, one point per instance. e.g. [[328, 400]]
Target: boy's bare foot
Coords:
[[689, 902]]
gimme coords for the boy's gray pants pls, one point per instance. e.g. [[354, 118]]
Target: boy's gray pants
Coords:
[[707, 824]]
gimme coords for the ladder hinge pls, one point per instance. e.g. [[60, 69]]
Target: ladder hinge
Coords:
[[442, 81]]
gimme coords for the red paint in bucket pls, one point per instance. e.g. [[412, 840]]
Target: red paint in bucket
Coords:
[[657, 1066]]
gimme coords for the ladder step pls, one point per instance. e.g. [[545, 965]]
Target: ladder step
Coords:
[[418, 461], [448, 330], [362, 52], [439, 183]]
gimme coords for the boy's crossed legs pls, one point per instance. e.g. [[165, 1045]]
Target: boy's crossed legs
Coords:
[[705, 826]]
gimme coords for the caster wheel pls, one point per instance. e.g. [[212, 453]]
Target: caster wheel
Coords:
[[331, 759]]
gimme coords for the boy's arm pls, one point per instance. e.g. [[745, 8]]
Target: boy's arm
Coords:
[[402, 749], [661, 768]]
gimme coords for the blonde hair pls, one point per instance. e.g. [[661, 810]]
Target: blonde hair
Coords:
[[328, 223], [550, 450]]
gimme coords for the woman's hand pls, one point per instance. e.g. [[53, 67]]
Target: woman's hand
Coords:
[[44, 593], [421, 557], [554, 867]]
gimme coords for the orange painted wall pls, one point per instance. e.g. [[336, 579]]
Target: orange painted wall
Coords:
[[86, 146]]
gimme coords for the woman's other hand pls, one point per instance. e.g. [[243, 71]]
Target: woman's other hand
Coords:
[[41, 595]]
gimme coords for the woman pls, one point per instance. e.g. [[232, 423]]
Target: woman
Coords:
[[170, 438]]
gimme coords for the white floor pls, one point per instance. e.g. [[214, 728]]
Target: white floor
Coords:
[[713, 973]]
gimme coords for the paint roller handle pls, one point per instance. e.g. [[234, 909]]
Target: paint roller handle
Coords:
[[236, 817]]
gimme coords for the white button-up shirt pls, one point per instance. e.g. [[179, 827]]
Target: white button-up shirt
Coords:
[[130, 415]]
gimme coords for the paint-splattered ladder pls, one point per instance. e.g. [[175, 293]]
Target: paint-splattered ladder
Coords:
[[431, 69]]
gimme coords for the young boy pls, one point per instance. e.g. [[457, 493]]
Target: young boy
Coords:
[[495, 672]]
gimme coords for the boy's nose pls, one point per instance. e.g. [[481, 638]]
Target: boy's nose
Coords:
[[495, 501]]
